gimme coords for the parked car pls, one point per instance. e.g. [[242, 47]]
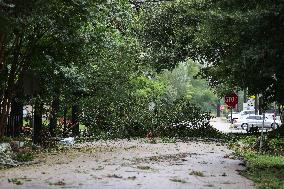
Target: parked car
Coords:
[[239, 115], [256, 121], [272, 113]]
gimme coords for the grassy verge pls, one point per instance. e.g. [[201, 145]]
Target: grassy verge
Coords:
[[266, 168], [266, 171]]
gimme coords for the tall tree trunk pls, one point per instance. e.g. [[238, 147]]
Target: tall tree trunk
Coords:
[[16, 115], [75, 120], [3, 101], [2, 37], [5, 106], [37, 122], [5, 110], [54, 115], [9, 89]]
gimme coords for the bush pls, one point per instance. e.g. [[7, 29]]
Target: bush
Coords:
[[5, 139], [24, 156]]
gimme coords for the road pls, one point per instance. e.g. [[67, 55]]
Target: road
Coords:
[[222, 125], [132, 164]]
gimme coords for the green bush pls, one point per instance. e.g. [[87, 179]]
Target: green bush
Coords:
[[24, 156], [276, 146], [5, 139]]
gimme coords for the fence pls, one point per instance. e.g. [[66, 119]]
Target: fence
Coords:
[[14, 125]]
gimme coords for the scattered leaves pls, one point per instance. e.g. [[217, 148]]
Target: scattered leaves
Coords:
[[197, 173]]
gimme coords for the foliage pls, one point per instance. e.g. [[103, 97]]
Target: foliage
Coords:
[[183, 83], [271, 145], [23, 156], [239, 43], [5, 139], [89, 54], [167, 31]]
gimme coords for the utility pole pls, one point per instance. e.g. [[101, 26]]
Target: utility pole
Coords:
[[245, 95], [256, 104]]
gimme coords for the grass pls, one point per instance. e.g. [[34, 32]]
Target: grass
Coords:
[[265, 169], [268, 178], [256, 160]]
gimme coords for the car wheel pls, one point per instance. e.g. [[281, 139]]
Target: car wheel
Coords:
[[274, 126], [244, 126]]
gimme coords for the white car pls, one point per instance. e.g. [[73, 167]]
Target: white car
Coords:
[[256, 121], [240, 115]]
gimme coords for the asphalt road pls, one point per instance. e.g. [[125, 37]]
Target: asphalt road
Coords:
[[222, 125], [132, 164]]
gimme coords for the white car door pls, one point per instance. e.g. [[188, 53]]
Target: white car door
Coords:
[[251, 121], [259, 121]]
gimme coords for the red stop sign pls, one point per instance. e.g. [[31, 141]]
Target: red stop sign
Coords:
[[231, 99]]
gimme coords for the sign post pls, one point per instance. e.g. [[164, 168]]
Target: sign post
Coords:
[[231, 100], [262, 126]]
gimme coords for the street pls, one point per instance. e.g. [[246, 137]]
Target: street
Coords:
[[132, 164]]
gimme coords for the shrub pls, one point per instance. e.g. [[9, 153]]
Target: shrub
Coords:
[[24, 156]]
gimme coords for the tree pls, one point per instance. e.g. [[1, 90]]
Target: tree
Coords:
[[239, 43], [36, 35], [183, 81]]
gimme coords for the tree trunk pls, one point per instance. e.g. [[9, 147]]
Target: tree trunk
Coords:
[[37, 125], [16, 115], [54, 115], [75, 120], [2, 37], [5, 108], [3, 101], [9, 89]]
